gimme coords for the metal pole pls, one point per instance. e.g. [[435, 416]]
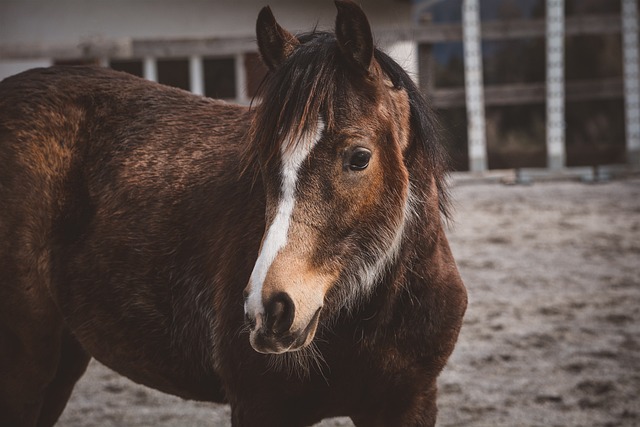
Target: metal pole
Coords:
[[473, 86], [196, 75], [631, 78], [241, 79], [556, 157], [150, 69]]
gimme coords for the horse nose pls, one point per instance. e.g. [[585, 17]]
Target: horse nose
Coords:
[[279, 313]]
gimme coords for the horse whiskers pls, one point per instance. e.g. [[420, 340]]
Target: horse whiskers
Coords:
[[300, 363], [319, 361], [244, 329]]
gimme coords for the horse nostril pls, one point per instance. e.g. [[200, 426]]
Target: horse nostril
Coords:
[[279, 312]]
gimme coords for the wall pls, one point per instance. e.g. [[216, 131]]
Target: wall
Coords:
[[33, 32]]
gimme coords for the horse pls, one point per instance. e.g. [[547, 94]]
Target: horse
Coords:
[[288, 257]]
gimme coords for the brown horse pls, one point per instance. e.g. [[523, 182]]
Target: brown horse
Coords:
[[137, 220]]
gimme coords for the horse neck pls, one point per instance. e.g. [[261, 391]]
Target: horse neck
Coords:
[[422, 280]]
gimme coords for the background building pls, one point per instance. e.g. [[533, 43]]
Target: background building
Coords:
[[206, 46], [533, 83], [517, 83]]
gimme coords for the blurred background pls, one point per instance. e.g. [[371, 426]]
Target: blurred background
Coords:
[[532, 85]]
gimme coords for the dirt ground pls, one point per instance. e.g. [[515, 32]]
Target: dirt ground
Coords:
[[551, 336]]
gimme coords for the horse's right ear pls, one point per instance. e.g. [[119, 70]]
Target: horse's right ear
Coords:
[[274, 42]]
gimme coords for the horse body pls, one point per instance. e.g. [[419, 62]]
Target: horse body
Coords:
[[134, 216], [97, 180]]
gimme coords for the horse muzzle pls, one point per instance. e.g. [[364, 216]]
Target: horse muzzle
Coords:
[[274, 331]]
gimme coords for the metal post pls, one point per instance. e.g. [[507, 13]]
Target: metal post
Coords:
[[556, 157], [631, 79], [150, 69], [241, 79], [473, 86], [196, 75]]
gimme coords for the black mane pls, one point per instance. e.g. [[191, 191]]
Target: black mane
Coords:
[[423, 126]]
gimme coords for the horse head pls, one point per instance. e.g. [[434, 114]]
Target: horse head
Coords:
[[331, 134]]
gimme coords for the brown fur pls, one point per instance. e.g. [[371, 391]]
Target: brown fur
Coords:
[[131, 217]]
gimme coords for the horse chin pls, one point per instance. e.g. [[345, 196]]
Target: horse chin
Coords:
[[267, 343]]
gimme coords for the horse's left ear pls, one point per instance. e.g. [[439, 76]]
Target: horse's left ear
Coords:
[[354, 35], [274, 42]]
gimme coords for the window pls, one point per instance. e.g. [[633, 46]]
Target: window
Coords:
[[441, 75], [442, 12], [514, 74], [131, 66], [453, 130], [448, 60], [591, 7], [219, 78], [174, 72], [595, 132], [512, 61], [218, 75], [78, 61], [593, 56], [499, 10], [442, 79], [594, 111], [516, 136]]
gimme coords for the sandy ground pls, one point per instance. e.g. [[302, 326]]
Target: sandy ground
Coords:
[[551, 336]]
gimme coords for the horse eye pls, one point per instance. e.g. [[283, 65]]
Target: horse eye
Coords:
[[359, 159]]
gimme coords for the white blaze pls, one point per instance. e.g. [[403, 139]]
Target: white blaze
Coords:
[[276, 237]]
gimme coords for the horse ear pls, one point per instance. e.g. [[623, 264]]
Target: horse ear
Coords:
[[354, 35], [274, 42]]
